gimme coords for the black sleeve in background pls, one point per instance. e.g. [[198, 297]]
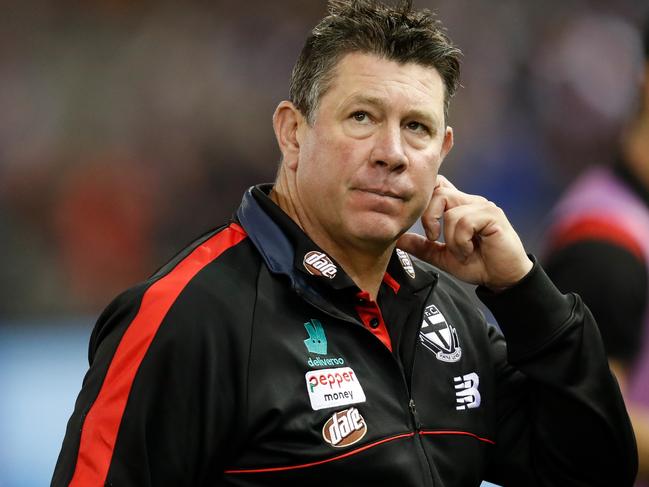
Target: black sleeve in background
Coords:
[[561, 420], [613, 284]]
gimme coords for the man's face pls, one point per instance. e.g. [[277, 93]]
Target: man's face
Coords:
[[367, 165]]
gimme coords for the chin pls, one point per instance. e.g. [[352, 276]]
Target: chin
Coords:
[[376, 233]]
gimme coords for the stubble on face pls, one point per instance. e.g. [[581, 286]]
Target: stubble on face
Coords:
[[367, 165]]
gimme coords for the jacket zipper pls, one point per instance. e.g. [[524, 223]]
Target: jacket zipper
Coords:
[[417, 429], [415, 416], [412, 409]]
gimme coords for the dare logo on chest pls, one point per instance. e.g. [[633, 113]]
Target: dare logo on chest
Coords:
[[344, 428]]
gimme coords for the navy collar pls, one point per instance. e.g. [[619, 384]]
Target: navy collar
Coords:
[[287, 250]]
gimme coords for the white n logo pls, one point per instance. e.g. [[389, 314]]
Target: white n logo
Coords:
[[467, 395]]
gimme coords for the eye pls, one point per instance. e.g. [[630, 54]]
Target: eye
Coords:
[[361, 117], [418, 127]]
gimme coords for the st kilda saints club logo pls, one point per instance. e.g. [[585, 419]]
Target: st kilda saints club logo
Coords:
[[319, 264], [344, 428], [438, 336]]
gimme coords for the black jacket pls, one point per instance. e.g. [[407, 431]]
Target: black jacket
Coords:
[[251, 359]]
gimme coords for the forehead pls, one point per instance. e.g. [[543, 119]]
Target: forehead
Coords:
[[360, 75]]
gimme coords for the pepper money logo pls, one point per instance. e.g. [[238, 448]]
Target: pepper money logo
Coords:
[[331, 388], [438, 336], [344, 428], [319, 264]]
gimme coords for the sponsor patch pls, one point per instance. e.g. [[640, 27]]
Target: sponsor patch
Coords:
[[344, 428], [467, 395], [317, 344], [317, 341], [406, 263], [438, 336], [330, 388], [325, 362], [319, 264]]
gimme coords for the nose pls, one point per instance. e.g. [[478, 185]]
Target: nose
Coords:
[[388, 151]]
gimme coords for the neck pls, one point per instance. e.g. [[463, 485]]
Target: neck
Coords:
[[363, 263], [366, 269]]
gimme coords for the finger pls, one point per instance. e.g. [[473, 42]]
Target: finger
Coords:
[[437, 204], [433, 230], [445, 196], [454, 197], [444, 199], [443, 182], [430, 219], [422, 248], [432, 225], [456, 243], [466, 225]]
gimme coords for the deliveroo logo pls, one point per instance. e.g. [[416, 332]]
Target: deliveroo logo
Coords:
[[317, 341]]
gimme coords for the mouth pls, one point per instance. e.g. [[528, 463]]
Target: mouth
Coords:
[[382, 193]]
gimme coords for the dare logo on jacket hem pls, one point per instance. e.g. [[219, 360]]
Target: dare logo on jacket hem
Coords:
[[319, 264], [344, 428]]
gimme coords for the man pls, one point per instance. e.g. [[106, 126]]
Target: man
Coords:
[[297, 346], [598, 246]]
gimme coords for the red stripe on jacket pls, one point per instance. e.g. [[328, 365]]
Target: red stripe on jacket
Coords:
[[101, 424]]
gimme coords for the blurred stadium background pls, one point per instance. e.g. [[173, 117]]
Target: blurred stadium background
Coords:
[[127, 128]]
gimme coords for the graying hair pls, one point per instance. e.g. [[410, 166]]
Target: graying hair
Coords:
[[396, 33]]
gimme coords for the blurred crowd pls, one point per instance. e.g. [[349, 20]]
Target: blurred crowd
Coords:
[[127, 128]]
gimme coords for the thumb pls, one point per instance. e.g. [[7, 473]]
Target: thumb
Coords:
[[427, 250]]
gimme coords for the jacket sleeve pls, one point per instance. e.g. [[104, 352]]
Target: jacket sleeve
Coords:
[[561, 419], [149, 412]]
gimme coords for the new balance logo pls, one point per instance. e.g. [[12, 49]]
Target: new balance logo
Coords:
[[467, 395]]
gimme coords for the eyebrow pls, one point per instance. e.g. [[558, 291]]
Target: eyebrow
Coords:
[[379, 103]]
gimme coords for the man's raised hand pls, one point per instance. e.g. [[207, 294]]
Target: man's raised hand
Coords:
[[480, 245]]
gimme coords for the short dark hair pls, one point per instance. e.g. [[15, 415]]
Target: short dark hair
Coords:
[[396, 33]]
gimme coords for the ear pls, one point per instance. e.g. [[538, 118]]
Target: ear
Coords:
[[286, 121], [447, 145]]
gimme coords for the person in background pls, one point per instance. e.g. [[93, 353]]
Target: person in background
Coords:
[[598, 247], [312, 341]]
